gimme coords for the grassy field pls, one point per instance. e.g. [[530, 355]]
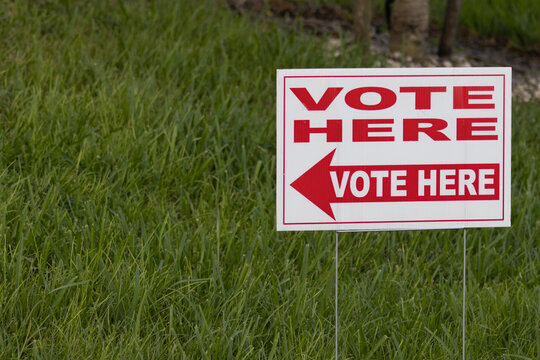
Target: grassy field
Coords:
[[137, 215]]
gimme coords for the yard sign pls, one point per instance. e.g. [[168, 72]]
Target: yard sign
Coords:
[[390, 149]]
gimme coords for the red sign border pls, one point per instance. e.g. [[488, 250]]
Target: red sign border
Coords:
[[394, 221]]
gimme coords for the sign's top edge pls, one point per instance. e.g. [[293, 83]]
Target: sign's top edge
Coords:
[[402, 68], [389, 71]]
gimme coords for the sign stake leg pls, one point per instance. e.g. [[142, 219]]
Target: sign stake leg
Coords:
[[464, 292], [336, 294]]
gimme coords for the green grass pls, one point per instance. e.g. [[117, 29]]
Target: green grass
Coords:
[[137, 167]]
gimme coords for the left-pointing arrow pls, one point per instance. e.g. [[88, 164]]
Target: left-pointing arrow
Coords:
[[316, 185], [324, 184]]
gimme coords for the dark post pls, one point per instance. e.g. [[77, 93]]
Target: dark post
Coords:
[[451, 19], [362, 20]]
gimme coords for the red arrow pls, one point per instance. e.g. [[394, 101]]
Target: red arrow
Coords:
[[316, 185], [387, 183]]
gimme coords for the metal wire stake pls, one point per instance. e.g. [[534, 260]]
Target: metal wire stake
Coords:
[[464, 290], [336, 294]]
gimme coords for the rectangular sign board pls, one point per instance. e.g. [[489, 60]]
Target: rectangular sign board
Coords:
[[392, 149]]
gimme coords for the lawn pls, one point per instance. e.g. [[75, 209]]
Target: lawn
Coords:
[[137, 205]]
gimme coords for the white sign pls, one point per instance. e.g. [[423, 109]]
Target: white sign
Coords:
[[390, 149]]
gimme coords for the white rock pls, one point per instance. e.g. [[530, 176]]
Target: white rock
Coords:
[[392, 63]]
